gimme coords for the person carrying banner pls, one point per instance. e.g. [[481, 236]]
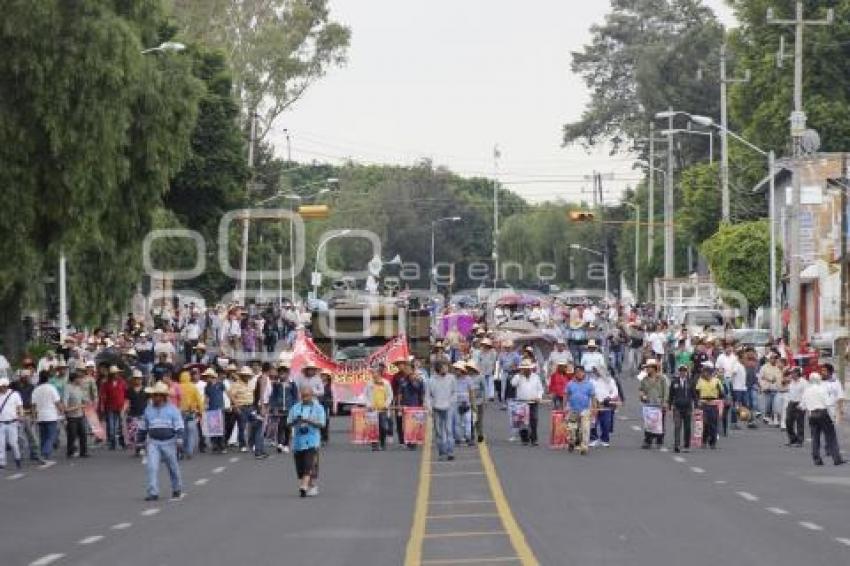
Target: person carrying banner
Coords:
[[653, 392], [581, 400], [215, 397], [307, 417], [463, 405], [440, 395], [161, 431], [607, 397], [411, 393], [478, 398], [681, 399], [529, 389], [708, 390], [379, 398]]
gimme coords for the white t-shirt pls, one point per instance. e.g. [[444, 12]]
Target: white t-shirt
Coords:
[[739, 376], [834, 392], [656, 340], [11, 402], [44, 398]]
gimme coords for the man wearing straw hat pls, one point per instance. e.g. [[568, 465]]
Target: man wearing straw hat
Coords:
[[478, 396], [529, 389], [161, 429]]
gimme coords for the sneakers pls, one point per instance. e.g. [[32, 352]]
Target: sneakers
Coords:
[[177, 495], [606, 444], [286, 449], [261, 456], [279, 448], [593, 443], [243, 449], [313, 491], [152, 498], [302, 492], [450, 457], [676, 449]]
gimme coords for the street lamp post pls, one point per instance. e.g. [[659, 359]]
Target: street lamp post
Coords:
[[434, 223], [63, 260], [771, 172], [319, 249], [603, 255]]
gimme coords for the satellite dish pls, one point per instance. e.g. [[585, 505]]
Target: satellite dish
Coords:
[[810, 141]]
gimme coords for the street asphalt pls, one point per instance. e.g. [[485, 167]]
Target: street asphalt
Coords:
[[751, 502]]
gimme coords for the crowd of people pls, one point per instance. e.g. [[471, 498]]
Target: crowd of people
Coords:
[[175, 392]]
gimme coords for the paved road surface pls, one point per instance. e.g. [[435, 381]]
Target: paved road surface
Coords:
[[752, 502]]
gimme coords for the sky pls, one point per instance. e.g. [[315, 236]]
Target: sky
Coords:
[[450, 79]]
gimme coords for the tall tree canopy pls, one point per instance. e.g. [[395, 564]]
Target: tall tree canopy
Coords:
[[641, 60], [91, 130], [276, 48]]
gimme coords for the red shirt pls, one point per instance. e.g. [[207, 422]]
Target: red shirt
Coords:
[[558, 383], [113, 393]]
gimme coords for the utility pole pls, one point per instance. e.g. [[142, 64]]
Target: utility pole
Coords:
[[650, 215], [798, 128], [496, 156], [669, 234], [288, 146], [246, 221], [724, 138]]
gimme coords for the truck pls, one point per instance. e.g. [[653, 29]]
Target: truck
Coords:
[[355, 326]]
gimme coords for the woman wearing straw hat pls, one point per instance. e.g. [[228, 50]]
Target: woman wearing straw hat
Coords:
[[161, 428]]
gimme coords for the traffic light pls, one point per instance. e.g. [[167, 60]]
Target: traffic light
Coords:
[[581, 216], [313, 211]]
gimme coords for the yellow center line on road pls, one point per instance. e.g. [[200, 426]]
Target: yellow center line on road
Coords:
[[413, 553], [455, 474], [521, 547], [461, 501]]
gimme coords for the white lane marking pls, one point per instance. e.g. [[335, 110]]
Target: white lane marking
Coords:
[[636, 428], [679, 459], [746, 495], [201, 481], [16, 476], [777, 510], [150, 512], [697, 470], [720, 482], [234, 459], [622, 418], [121, 526], [91, 540], [810, 526], [47, 559], [218, 470], [844, 541]]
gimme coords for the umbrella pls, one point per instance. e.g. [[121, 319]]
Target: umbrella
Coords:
[[517, 300]]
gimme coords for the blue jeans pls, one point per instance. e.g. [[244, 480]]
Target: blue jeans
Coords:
[[190, 434], [113, 428], [243, 418], [463, 425], [771, 407], [47, 432], [165, 450], [604, 422], [257, 438], [443, 431], [752, 399]]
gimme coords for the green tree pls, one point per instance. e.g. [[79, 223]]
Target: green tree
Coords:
[[762, 106], [699, 212], [642, 60], [91, 131], [739, 258], [276, 48]]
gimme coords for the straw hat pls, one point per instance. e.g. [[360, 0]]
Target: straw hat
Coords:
[[159, 388], [651, 362], [309, 365], [138, 373], [470, 366], [114, 369], [460, 366], [209, 372], [487, 342], [245, 370], [526, 364], [592, 343], [231, 367]]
